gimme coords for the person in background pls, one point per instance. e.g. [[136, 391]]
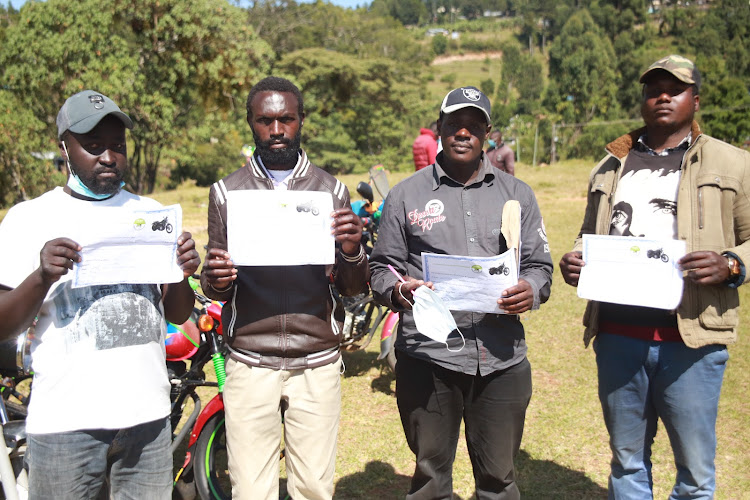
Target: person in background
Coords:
[[425, 147], [500, 154], [668, 180], [455, 207], [106, 339]]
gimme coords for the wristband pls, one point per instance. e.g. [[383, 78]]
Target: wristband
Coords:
[[356, 258]]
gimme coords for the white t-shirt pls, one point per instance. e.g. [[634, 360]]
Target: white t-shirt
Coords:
[[98, 356]]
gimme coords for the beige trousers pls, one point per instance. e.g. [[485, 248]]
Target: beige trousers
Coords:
[[252, 401]]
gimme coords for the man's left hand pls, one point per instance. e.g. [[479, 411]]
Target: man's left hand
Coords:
[[187, 256], [705, 267], [347, 229], [517, 299]]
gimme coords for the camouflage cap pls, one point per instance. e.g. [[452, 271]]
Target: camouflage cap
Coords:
[[680, 67]]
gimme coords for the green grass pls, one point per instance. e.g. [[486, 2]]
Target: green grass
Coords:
[[564, 454]]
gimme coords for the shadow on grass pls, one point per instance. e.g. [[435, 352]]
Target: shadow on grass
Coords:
[[537, 479], [378, 481], [546, 479], [360, 362]]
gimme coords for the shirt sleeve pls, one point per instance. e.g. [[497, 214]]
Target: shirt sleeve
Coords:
[[391, 248], [536, 262], [18, 258]]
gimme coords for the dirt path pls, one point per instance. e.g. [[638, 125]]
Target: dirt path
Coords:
[[476, 56]]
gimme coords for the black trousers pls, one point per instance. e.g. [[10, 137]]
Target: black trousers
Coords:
[[432, 401]]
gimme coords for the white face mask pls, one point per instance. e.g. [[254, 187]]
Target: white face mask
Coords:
[[433, 318]]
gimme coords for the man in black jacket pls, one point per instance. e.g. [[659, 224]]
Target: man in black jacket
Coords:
[[280, 325]]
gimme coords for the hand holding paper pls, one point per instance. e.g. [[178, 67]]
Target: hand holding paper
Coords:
[[130, 246], [473, 283]]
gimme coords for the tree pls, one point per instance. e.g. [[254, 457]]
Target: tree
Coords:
[[487, 86], [290, 27], [583, 78], [359, 111], [22, 176], [407, 12], [159, 59], [522, 75]]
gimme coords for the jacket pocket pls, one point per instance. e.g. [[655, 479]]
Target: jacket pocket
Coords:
[[716, 194], [718, 306]]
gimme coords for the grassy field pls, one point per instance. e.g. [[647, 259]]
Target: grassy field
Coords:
[[564, 454]]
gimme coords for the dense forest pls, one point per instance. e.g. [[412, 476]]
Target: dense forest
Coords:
[[561, 75]]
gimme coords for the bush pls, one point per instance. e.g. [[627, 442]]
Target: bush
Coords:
[[439, 44]]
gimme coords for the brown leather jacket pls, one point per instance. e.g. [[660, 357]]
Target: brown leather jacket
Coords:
[[282, 317]]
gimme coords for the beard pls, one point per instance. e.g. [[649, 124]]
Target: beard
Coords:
[[284, 157], [109, 185]]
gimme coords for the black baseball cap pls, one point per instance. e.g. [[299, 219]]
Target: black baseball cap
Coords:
[[465, 97], [83, 111]]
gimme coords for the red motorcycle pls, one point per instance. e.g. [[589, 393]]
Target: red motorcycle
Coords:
[[204, 470]]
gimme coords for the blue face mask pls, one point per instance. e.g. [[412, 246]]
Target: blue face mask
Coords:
[[77, 186], [492, 143]]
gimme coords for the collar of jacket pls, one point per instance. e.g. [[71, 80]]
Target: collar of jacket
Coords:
[[300, 169], [621, 146]]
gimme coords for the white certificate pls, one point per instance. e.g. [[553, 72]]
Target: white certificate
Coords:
[[121, 245], [280, 228], [471, 283], [632, 271]]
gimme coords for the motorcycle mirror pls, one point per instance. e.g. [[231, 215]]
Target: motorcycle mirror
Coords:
[[365, 191]]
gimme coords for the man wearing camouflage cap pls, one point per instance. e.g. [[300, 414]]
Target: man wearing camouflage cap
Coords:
[[100, 406], [670, 181]]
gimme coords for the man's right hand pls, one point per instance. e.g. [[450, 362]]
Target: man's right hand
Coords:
[[57, 258], [402, 295], [219, 269], [570, 266]]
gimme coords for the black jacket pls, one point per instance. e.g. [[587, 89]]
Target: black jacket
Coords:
[[282, 317]]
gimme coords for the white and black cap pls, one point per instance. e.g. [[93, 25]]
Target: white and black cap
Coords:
[[465, 97]]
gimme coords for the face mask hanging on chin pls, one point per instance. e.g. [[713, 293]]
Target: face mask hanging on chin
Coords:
[[77, 186], [432, 317]]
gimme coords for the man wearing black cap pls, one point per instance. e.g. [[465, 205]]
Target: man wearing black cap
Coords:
[[672, 182], [101, 391], [455, 207]]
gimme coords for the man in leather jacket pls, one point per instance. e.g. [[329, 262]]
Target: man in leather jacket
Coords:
[[668, 180], [281, 329]]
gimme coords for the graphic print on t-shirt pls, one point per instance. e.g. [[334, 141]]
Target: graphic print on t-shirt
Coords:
[[645, 202], [108, 316]]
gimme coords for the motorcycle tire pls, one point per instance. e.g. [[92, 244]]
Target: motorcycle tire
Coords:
[[169, 228], [211, 469], [390, 358]]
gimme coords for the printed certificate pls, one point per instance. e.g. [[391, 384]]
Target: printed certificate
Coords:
[[471, 283], [280, 228], [120, 245], [632, 271]]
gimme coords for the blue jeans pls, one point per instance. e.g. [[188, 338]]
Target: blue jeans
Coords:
[[642, 381], [74, 465]]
